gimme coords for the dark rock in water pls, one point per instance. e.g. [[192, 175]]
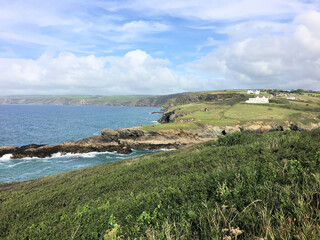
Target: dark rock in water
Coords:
[[7, 150], [29, 146], [124, 150], [120, 140]]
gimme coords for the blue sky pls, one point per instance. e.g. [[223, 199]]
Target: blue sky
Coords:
[[157, 47]]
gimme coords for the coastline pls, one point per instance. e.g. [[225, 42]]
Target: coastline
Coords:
[[123, 140]]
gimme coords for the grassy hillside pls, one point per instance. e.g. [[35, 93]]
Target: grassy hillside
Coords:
[[242, 186], [196, 110]]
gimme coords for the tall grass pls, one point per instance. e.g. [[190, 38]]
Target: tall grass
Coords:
[[242, 186]]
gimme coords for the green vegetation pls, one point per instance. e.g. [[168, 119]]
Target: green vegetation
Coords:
[[241, 113], [243, 186], [195, 110], [175, 125], [194, 117]]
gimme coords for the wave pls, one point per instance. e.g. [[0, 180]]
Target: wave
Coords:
[[114, 154], [6, 157], [80, 155], [167, 149]]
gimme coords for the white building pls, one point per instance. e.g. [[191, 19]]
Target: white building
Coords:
[[258, 100], [253, 92]]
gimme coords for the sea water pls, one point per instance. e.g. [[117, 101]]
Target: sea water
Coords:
[[53, 124]]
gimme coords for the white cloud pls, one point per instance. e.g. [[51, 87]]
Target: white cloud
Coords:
[[39, 13], [69, 25], [287, 59], [254, 44], [209, 43], [130, 31], [135, 72], [219, 10]]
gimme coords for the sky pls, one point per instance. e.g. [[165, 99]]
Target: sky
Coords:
[[107, 47]]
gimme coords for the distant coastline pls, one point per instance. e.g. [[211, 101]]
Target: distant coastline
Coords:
[[95, 100]]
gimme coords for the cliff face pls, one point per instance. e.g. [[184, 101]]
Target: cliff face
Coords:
[[142, 139], [169, 117], [124, 139], [121, 140]]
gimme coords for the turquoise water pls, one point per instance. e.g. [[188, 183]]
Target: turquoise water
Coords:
[[51, 124]]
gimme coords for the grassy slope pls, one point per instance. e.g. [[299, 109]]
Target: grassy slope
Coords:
[[267, 185], [304, 110]]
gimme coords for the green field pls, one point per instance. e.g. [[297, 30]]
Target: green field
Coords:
[[258, 186], [230, 112]]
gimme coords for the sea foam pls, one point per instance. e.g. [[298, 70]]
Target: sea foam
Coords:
[[82, 155], [6, 157]]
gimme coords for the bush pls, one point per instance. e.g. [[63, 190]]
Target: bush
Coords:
[[237, 138]]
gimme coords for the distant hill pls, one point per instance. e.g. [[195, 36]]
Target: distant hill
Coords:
[[118, 100]]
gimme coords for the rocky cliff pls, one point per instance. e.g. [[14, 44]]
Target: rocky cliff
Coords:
[[124, 139], [120, 140]]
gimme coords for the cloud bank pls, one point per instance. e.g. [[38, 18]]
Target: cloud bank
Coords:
[[268, 55], [134, 73], [109, 47]]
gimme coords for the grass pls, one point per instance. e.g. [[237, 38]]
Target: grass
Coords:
[[221, 108], [242, 113], [242, 186], [177, 125], [196, 115]]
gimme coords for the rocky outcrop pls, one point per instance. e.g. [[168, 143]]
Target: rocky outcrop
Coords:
[[120, 140], [169, 117], [142, 139], [93, 144], [123, 140]]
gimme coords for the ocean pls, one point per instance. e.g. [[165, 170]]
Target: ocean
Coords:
[[53, 124]]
